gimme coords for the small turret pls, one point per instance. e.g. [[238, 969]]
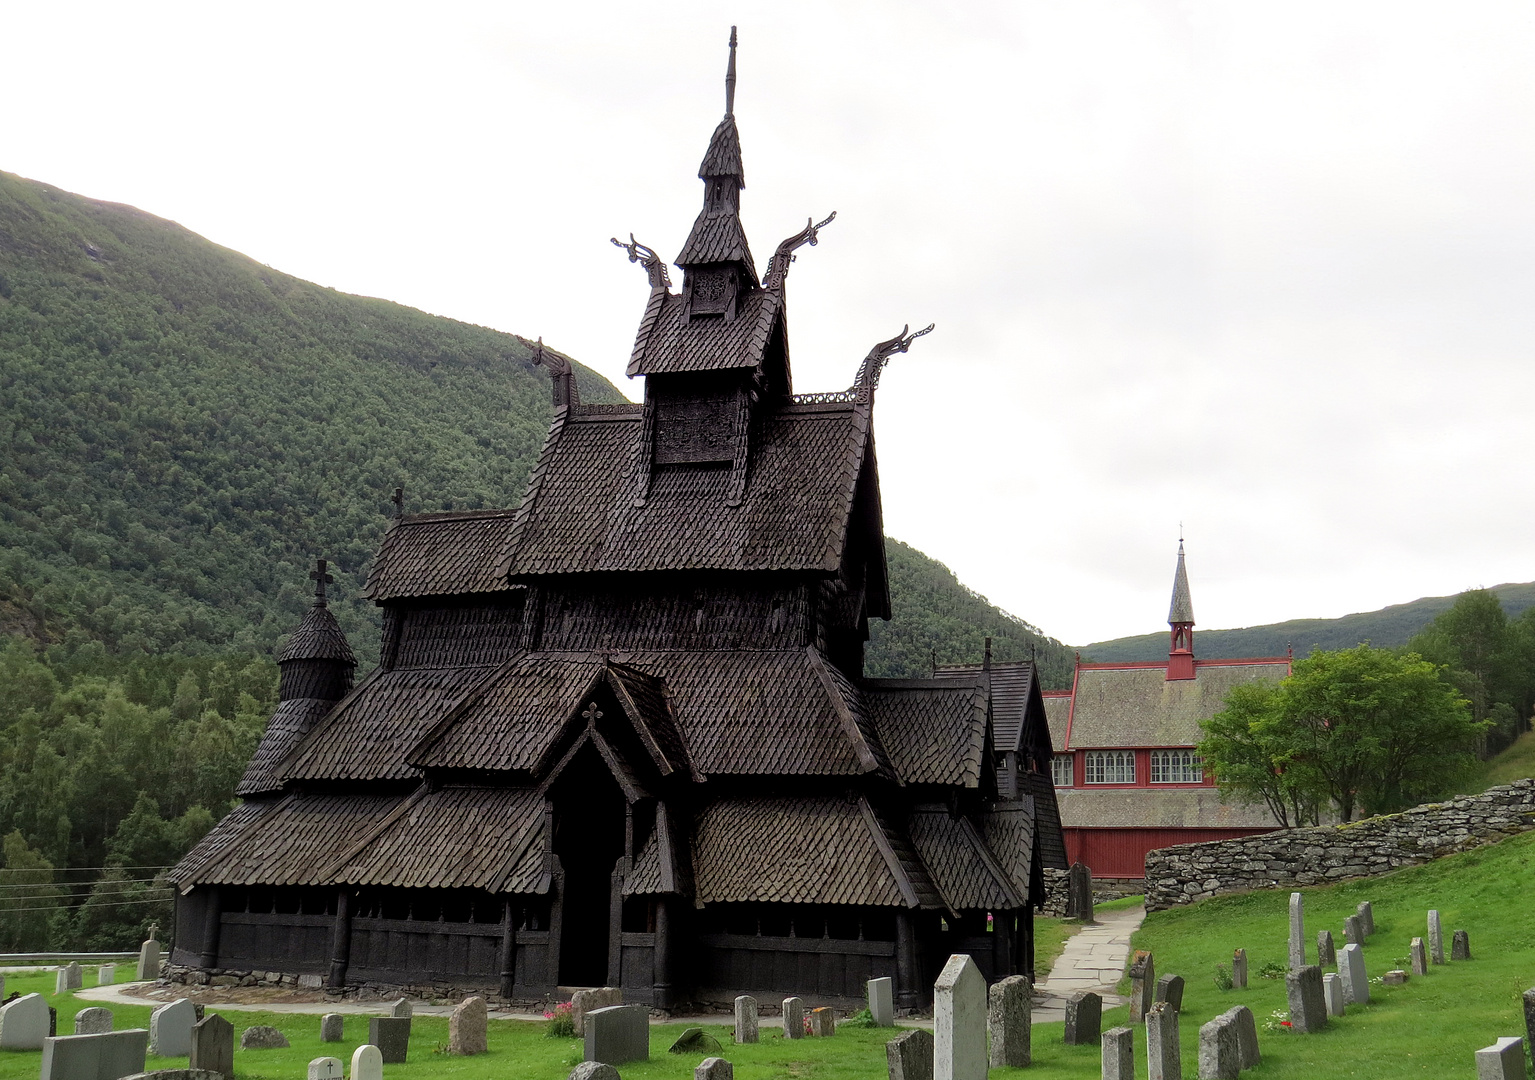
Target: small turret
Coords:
[[317, 662], [1180, 616]]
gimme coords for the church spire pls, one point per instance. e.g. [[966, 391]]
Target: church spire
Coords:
[[730, 78], [1180, 617]]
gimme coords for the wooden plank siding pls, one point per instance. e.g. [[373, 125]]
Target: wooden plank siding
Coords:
[[1121, 853]]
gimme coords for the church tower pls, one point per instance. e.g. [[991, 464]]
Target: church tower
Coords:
[[1180, 616]]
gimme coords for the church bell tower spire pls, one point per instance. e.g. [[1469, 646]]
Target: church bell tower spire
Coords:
[[1180, 616]]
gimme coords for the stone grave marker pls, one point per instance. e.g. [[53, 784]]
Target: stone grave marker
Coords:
[[1366, 915], [793, 1018], [1118, 1054], [1308, 1009], [909, 1056], [105, 1056], [692, 1040], [618, 1033], [1419, 956], [1164, 1059], [1079, 893], [332, 1027], [106, 974], [325, 1068], [593, 1070], [1170, 990], [1297, 931], [1326, 951], [959, 1021], [467, 1026], [67, 978], [93, 1021], [2, 987], [1356, 984], [1332, 993], [714, 1068], [213, 1045], [746, 1019], [1219, 1056], [1084, 1018], [1239, 969], [1460, 946], [1247, 1035], [367, 1063], [1397, 977], [263, 1037], [1010, 1019], [823, 1022], [1529, 1014], [882, 1001], [402, 1007], [391, 1034], [1503, 1060], [1435, 938], [1353, 930], [24, 1023], [149, 959], [584, 1001], [1143, 985], [170, 1029]]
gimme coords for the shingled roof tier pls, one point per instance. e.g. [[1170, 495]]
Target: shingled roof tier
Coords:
[[318, 637], [290, 722], [1011, 685], [668, 342], [1125, 706], [933, 730], [1160, 808], [960, 863], [1058, 714], [1010, 832], [446, 554], [1048, 830]]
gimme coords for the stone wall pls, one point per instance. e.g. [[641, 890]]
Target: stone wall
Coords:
[[1189, 872], [1057, 885]]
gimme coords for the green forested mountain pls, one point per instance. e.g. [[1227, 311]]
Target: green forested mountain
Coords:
[[1390, 627]]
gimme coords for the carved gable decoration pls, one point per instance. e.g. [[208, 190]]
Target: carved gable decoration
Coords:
[[695, 428]]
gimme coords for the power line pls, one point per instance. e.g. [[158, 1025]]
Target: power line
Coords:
[[69, 885], [55, 907], [75, 869]]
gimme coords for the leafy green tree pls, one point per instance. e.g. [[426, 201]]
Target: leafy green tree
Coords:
[[1488, 658], [27, 896], [1248, 746]]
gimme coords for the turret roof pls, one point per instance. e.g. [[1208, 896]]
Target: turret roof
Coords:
[[1182, 609]]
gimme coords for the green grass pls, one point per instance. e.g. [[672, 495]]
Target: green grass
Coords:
[[1515, 763], [1050, 937]]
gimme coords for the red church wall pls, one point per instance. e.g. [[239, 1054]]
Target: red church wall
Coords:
[[1121, 853]]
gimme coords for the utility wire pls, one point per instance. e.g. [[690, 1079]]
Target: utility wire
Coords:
[[68, 885], [55, 907], [74, 869]]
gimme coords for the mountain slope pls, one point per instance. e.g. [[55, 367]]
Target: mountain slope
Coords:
[[1388, 628]]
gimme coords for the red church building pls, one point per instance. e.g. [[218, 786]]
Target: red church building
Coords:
[[1128, 776]]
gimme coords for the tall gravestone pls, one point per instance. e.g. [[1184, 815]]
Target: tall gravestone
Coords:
[[213, 1046], [1084, 1018], [391, 1034], [1326, 951], [909, 1056], [584, 1001], [793, 1018], [468, 1026], [1239, 969], [1118, 1054], [1366, 913], [959, 1021], [1009, 1019], [1079, 893], [1353, 930], [170, 1029], [149, 959], [1503, 1060], [1246, 1027], [1419, 956], [367, 1063], [1308, 1008], [1460, 946], [746, 1019], [69, 977], [1143, 985], [1435, 938], [24, 1023], [93, 1021], [1332, 993], [882, 1001], [1356, 984], [1297, 931], [1164, 1057], [1170, 990], [617, 1034], [1220, 1057]]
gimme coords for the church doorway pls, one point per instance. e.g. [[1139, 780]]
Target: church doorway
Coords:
[[589, 811]]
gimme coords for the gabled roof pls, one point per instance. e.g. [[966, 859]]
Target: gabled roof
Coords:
[[968, 874], [717, 237], [1058, 713], [290, 722], [1047, 819], [662, 865], [1159, 808], [1014, 691], [668, 343], [218, 840], [318, 637], [1125, 705], [446, 554], [579, 515], [934, 730], [1011, 831]]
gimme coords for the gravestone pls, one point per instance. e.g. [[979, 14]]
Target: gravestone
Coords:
[[170, 1029], [823, 1022], [1366, 915], [105, 1056], [1079, 893], [93, 1021], [1084, 1018], [467, 1026], [332, 1027], [1326, 951], [1419, 956], [1353, 930], [746, 1019], [1143, 985], [1164, 1059], [1529, 1014], [391, 1034], [1297, 931], [402, 1007], [1246, 1028], [1460, 946], [325, 1068], [1435, 938], [584, 1001], [1009, 1019], [714, 1068], [1170, 990], [1503, 1060], [793, 1018], [1219, 1056], [1356, 984], [1394, 978], [1118, 1054], [53, 1021], [692, 1040], [1332, 993], [106, 975], [909, 1056], [882, 1001], [24, 1023], [367, 1063], [149, 959], [1308, 1009], [263, 1037], [69, 977], [213, 1045], [593, 1070], [959, 1021], [618, 1033], [1239, 970]]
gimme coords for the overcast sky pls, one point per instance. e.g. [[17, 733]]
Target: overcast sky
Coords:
[[1264, 269]]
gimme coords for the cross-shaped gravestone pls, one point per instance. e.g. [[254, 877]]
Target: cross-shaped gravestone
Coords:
[[320, 579], [154, 928], [591, 714]]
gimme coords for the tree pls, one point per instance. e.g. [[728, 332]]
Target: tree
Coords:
[[27, 897], [1246, 746], [1488, 658]]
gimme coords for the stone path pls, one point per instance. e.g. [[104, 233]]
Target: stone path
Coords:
[[1094, 959]]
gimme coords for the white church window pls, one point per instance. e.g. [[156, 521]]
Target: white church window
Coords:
[[1061, 771], [1177, 767], [1110, 766]]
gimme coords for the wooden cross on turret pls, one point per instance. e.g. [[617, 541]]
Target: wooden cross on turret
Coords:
[[320, 579], [591, 714]]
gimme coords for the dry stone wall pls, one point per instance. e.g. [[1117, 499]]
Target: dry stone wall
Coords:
[[1189, 872]]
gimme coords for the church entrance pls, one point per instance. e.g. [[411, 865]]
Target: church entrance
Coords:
[[589, 812]]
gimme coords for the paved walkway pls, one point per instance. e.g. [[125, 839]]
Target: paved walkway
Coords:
[[1094, 959]]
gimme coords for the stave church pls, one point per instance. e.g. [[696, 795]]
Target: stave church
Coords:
[[621, 734]]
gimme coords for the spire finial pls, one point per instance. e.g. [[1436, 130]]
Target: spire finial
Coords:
[[730, 77], [320, 579]]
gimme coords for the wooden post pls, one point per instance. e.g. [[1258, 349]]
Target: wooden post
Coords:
[[616, 925], [211, 927], [508, 948], [664, 991], [906, 969], [556, 923], [341, 940], [1002, 944]]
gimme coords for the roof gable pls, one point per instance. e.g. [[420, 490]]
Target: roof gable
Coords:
[[1137, 705], [445, 554], [934, 731]]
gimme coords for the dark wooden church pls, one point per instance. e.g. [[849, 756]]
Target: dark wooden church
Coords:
[[621, 734]]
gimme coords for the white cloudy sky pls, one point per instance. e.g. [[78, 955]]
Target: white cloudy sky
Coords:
[[1262, 268]]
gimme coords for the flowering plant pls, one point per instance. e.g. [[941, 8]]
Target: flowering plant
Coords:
[[1279, 1021], [561, 1021]]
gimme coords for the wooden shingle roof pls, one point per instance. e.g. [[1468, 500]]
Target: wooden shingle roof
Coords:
[[1159, 808], [292, 843], [968, 874], [669, 343], [1046, 817], [218, 840], [290, 722], [1012, 685], [934, 730], [318, 637], [446, 554], [1137, 705], [1010, 833]]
